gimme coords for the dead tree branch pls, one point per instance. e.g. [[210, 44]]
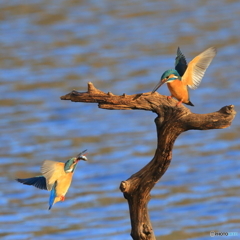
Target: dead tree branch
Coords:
[[171, 121]]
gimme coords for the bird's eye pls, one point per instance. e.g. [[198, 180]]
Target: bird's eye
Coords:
[[167, 77]]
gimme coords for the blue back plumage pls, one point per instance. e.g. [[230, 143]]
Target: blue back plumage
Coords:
[[52, 195]]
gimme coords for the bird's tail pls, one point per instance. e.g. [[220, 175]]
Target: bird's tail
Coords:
[[189, 103], [52, 196]]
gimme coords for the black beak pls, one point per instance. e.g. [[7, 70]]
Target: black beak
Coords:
[[159, 85]]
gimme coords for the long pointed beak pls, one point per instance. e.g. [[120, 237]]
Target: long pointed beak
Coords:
[[81, 153], [159, 85], [80, 156]]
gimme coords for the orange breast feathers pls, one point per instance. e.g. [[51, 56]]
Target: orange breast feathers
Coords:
[[63, 184], [178, 90]]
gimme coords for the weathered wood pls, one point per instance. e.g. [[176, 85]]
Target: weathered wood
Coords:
[[171, 121]]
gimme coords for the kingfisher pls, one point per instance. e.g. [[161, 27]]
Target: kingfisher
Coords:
[[56, 177], [186, 75]]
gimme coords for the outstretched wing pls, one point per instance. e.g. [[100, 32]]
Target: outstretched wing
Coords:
[[180, 62], [197, 67], [38, 182], [52, 171]]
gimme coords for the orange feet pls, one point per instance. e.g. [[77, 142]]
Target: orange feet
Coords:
[[62, 198], [169, 97], [179, 103]]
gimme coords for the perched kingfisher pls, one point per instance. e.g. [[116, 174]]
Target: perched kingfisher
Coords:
[[183, 76], [56, 177]]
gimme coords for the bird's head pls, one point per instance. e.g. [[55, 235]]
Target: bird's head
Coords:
[[168, 76], [71, 164]]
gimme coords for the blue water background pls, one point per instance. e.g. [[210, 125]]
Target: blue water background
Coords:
[[49, 48]]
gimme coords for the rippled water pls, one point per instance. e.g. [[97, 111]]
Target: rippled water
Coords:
[[49, 48]]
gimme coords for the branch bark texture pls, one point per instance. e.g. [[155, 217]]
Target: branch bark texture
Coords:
[[170, 122]]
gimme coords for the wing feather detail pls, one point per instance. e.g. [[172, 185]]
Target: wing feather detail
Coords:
[[180, 63], [38, 182], [52, 171], [197, 68]]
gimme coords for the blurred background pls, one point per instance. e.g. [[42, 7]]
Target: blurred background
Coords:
[[49, 48]]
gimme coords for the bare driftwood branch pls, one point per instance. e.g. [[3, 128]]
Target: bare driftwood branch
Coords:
[[171, 121]]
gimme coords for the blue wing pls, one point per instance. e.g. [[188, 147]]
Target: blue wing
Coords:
[[39, 182], [52, 195], [180, 63]]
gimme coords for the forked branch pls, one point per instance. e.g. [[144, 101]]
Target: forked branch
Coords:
[[171, 121]]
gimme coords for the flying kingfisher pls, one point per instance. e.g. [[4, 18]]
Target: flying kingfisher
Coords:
[[183, 76], [56, 177]]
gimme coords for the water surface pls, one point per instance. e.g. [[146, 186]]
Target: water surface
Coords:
[[48, 49]]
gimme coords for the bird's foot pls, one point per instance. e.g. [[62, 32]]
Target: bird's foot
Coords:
[[62, 198], [169, 97], [179, 103]]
